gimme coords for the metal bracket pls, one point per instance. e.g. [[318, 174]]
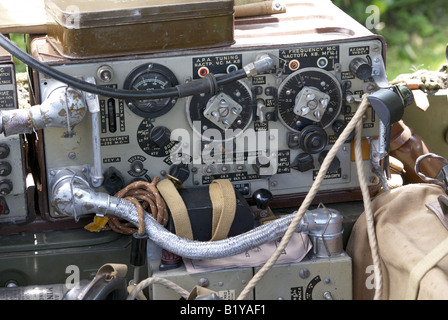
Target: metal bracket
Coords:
[[389, 104], [96, 176], [379, 74]]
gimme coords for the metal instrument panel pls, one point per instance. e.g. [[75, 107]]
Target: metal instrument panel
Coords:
[[127, 144]]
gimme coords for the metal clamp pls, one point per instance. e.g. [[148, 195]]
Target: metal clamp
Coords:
[[96, 177], [389, 104], [443, 173]]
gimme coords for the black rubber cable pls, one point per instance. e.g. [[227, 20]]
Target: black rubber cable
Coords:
[[198, 86]]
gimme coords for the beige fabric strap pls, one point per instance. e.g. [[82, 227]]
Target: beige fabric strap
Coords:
[[177, 207], [422, 267], [222, 195]]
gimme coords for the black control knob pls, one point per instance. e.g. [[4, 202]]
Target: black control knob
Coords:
[[313, 139], [303, 162], [4, 150], [262, 198], [137, 168], [179, 171], [334, 165], [5, 168], [160, 136], [5, 187], [360, 68], [339, 126]]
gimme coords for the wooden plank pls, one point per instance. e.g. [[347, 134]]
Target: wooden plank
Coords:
[[22, 16]]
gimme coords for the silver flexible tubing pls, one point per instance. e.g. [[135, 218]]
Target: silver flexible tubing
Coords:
[[193, 249]]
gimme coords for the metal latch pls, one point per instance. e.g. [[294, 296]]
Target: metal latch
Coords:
[[389, 104]]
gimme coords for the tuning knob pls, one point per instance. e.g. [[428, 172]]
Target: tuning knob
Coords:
[[335, 164], [160, 136], [313, 139], [339, 126], [360, 68], [179, 171], [303, 162]]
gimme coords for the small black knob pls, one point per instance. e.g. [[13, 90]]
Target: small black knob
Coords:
[[335, 164], [303, 162], [5, 168], [361, 68], [262, 198], [161, 136], [137, 167], [313, 139], [5, 187], [339, 126], [4, 150], [179, 171]]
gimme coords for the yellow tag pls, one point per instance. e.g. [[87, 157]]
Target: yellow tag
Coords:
[[97, 225]]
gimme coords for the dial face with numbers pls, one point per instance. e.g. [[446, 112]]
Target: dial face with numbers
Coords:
[[149, 77], [230, 111], [309, 97]]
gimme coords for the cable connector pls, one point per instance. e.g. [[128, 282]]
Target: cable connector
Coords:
[[262, 64]]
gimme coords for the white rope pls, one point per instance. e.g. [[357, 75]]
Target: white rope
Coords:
[[165, 282], [368, 212], [356, 120]]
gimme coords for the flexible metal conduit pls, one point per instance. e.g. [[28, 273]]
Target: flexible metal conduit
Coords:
[[72, 195], [204, 250]]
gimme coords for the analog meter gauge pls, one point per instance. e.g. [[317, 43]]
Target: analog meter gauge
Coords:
[[307, 97], [229, 112], [149, 77]]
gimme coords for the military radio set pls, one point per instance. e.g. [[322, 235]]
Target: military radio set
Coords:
[[136, 91]]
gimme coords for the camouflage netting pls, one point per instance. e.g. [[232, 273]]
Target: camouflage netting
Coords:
[[427, 81]]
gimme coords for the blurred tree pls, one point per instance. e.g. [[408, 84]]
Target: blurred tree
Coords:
[[416, 31], [19, 41]]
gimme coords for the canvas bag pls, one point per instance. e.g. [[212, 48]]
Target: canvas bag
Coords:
[[410, 230]]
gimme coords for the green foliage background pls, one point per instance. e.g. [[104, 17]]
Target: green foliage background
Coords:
[[19, 40], [416, 31]]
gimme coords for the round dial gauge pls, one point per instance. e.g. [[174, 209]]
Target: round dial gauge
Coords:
[[149, 77], [230, 112], [309, 97]]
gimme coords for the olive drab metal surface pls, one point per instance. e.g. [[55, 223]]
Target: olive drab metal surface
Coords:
[[85, 29]]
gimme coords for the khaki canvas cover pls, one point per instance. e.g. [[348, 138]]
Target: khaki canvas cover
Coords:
[[409, 229]]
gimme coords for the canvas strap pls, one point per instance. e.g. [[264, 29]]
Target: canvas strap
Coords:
[[222, 196], [422, 267]]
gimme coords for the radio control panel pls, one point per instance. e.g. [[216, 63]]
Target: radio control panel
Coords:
[[271, 131]]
